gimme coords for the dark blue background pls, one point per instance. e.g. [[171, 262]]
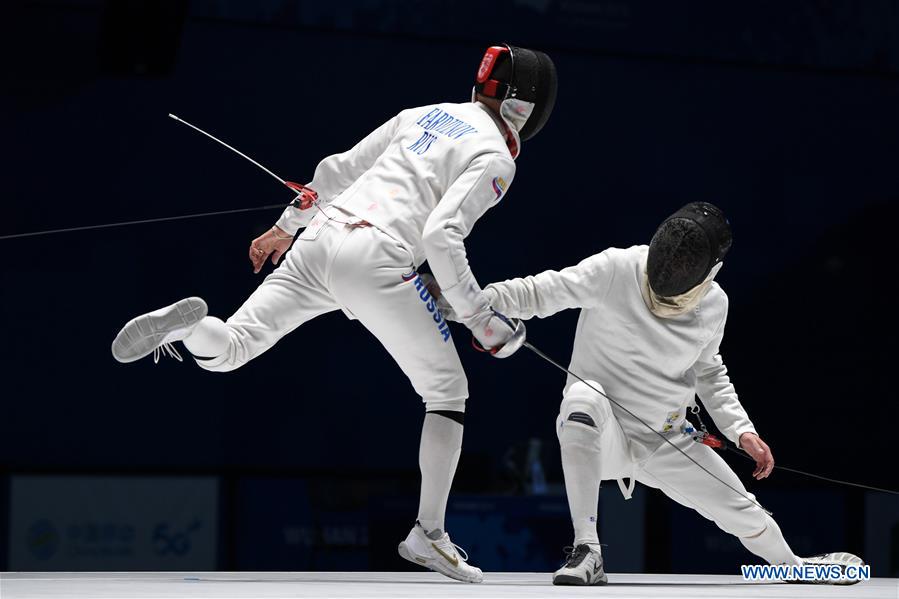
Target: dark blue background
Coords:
[[785, 116]]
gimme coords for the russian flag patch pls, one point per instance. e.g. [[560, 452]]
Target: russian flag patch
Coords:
[[499, 187]]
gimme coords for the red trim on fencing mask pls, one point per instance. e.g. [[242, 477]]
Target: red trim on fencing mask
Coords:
[[489, 88], [489, 61]]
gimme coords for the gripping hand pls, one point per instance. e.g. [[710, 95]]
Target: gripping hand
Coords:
[[498, 335]]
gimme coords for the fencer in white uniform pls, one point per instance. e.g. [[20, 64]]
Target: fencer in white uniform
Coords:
[[651, 324], [410, 191]]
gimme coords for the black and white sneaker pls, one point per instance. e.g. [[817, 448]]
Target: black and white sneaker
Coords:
[[583, 567], [841, 559]]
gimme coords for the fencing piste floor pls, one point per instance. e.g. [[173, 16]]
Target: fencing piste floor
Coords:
[[238, 585]]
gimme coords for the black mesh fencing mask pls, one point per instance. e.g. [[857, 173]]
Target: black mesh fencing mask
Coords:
[[526, 82], [686, 247]]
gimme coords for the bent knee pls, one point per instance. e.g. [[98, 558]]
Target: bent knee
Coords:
[[585, 404], [450, 395]]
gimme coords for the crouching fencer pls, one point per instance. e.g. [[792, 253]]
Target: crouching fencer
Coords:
[[408, 192], [651, 323]]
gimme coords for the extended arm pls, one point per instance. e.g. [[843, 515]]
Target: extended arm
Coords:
[[717, 392], [337, 172], [583, 285], [480, 186], [718, 396]]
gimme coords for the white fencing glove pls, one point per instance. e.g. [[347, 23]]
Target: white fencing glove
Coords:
[[492, 332], [498, 335]]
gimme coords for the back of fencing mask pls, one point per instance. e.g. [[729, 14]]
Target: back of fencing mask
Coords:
[[524, 80], [686, 247]]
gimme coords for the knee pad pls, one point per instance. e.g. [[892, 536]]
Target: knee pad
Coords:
[[582, 417], [584, 405]]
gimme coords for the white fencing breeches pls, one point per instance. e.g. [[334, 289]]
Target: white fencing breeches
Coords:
[[594, 448], [681, 480], [369, 276], [684, 482]]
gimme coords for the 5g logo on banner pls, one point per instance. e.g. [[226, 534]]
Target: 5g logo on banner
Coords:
[[169, 541]]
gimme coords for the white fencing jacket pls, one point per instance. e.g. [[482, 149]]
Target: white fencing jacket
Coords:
[[424, 177], [652, 366]]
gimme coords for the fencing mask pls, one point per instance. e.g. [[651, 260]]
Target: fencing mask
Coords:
[[525, 81], [685, 249]]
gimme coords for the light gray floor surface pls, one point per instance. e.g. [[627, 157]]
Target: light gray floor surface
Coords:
[[218, 585]]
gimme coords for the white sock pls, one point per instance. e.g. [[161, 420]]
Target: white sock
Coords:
[[210, 338], [771, 546], [438, 454], [581, 464]]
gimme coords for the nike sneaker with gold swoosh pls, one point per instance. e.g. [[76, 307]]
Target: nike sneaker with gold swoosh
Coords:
[[437, 552]]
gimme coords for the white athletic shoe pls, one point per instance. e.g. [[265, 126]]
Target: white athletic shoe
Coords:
[[438, 554], [841, 559], [155, 331], [582, 568]]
